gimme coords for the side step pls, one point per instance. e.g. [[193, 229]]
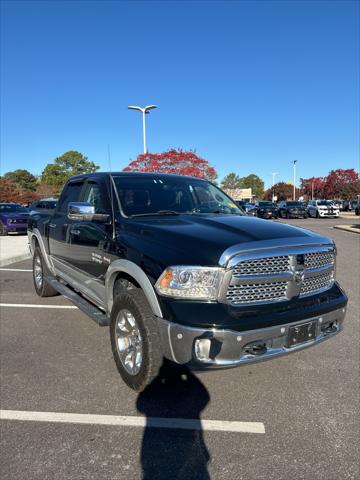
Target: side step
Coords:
[[88, 308]]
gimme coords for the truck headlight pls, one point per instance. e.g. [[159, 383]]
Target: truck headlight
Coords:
[[201, 283]]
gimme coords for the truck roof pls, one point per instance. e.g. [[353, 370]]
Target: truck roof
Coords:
[[133, 174]]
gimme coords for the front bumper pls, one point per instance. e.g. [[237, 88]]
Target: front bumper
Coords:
[[16, 227], [228, 348], [328, 214]]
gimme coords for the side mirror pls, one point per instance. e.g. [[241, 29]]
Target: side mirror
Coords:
[[86, 212]]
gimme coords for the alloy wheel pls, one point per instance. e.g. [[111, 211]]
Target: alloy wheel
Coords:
[[129, 343]]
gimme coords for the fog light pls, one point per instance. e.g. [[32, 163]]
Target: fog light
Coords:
[[202, 349]]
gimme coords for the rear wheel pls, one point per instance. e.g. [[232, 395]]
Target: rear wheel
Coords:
[[3, 230], [135, 339], [42, 287]]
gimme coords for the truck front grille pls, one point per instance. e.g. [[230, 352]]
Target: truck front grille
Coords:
[[319, 259], [280, 277], [261, 266], [256, 292], [317, 284]]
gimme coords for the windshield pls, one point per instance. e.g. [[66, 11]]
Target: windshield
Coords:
[[325, 202], [12, 208], [294, 204], [171, 195], [266, 204]]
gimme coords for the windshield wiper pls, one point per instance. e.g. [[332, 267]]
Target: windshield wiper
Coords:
[[160, 212]]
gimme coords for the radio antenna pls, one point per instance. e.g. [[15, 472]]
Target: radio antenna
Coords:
[[109, 158]]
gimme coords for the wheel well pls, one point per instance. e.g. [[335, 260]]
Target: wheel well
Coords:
[[124, 281]]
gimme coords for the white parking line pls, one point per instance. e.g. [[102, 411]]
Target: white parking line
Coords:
[[15, 270], [30, 305], [129, 421]]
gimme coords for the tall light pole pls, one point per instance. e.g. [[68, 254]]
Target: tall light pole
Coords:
[[144, 111], [294, 173], [273, 183]]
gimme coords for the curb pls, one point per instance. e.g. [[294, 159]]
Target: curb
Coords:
[[347, 228], [18, 258]]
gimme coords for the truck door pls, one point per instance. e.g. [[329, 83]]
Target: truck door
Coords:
[[59, 226], [91, 241]]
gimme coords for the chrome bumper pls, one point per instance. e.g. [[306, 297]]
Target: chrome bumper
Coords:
[[227, 348]]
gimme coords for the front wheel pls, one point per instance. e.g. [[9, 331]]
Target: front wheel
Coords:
[[135, 339], [42, 287]]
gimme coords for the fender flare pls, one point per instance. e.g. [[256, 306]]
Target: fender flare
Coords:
[[35, 233], [130, 268]]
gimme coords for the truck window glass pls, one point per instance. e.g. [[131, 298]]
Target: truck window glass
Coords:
[[70, 194], [92, 195], [149, 195]]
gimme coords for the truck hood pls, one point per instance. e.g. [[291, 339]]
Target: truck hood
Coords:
[[202, 239]]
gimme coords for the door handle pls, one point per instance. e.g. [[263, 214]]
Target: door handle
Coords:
[[52, 225], [75, 232]]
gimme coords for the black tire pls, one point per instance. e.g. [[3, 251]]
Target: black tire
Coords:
[[42, 288], [3, 231], [136, 303]]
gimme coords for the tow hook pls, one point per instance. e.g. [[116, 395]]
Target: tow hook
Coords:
[[255, 348]]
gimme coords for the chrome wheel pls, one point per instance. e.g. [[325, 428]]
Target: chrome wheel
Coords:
[[128, 342], [38, 272]]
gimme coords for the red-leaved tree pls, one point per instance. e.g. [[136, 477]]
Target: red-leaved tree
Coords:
[[180, 162], [339, 184], [314, 186]]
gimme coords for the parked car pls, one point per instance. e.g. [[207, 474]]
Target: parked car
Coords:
[[13, 218], [357, 207], [292, 209], [43, 205], [322, 208], [177, 271], [266, 210], [248, 207]]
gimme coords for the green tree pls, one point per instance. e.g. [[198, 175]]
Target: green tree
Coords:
[[23, 178], [282, 190], [255, 183], [69, 164], [231, 181]]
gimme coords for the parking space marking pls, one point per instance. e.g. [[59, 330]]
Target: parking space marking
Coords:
[[31, 305], [132, 421], [15, 270]]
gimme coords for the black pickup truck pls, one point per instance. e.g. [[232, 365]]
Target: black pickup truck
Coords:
[[178, 271]]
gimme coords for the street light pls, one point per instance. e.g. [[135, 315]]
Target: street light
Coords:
[[273, 183], [294, 172], [144, 111]]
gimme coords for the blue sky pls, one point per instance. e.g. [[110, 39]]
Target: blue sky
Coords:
[[250, 85]]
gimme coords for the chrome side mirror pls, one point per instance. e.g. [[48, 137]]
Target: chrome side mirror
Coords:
[[81, 211], [86, 211]]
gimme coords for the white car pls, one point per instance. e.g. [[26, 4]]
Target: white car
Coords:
[[322, 208]]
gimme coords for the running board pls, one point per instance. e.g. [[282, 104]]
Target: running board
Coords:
[[84, 305]]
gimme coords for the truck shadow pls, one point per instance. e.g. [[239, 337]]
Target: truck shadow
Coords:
[[174, 453]]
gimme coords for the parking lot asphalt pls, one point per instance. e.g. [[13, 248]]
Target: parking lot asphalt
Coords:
[[57, 360]]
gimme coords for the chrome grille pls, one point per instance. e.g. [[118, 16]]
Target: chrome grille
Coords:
[[299, 274], [319, 259], [257, 292], [263, 266], [315, 284]]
